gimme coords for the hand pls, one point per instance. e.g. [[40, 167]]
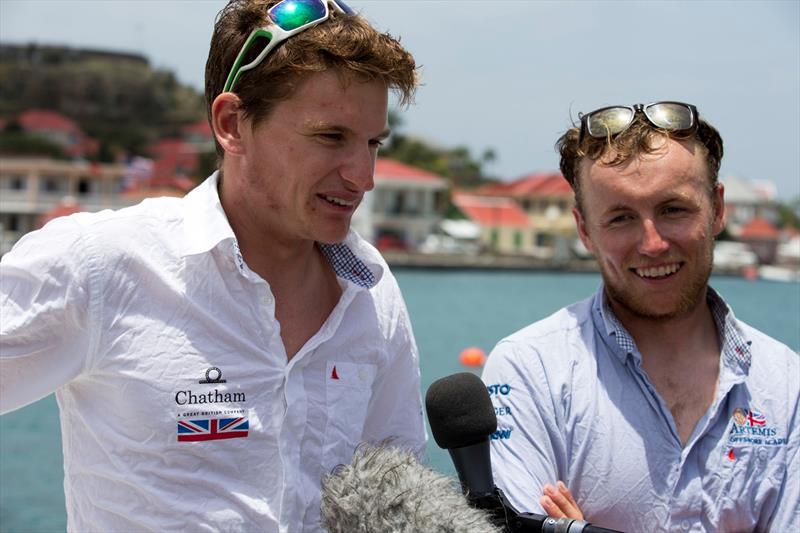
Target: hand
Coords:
[[559, 503]]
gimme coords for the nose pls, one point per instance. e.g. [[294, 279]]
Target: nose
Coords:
[[652, 242], [359, 169]]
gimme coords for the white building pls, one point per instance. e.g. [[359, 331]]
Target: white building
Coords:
[[404, 207], [33, 187]]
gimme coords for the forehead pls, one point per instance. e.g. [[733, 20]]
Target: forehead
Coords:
[[334, 95], [675, 166]]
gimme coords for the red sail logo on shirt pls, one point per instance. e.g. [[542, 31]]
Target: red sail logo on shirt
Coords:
[[334, 375]]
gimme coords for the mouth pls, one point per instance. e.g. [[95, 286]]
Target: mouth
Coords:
[[339, 202], [658, 272]]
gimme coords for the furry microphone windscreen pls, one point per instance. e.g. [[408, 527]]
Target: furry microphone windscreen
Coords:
[[387, 490]]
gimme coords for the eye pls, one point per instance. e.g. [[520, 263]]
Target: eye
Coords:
[[377, 143], [618, 220], [331, 137], [674, 210]]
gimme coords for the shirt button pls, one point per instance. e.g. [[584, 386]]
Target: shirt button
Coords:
[[685, 524]]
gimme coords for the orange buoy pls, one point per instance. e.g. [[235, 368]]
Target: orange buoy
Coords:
[[472, 357]]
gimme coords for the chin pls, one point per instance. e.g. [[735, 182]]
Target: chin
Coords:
[[329, 237]]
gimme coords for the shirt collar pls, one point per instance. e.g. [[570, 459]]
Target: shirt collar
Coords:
[[354, 260], [206, 226], [204, 222], [736, 351]]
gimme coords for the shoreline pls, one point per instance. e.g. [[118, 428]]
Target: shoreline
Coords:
[[420, 261]]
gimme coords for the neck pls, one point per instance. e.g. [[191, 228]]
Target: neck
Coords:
[[674, 339], [265, 248]]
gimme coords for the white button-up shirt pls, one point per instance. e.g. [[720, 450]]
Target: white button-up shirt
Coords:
[[179, 411], [574, 404]]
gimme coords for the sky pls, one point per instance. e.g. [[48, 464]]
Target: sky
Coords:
[[512, 75]]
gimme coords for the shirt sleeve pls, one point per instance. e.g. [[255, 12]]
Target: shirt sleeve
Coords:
[[44, 313], [786, 516], [528, 450], [395, 409]]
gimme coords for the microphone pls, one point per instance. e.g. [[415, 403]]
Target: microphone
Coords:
[[462, 419], [461, 416], [387, 489]]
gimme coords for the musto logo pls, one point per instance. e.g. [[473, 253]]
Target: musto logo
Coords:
[[502, 434]]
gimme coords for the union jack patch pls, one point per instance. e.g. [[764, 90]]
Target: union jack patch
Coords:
[[212, 429]]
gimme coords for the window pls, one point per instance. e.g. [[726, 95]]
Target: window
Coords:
[[13, 182], [494, 238], [84, 186], [52, 184]]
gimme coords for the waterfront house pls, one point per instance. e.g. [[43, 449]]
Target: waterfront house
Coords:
[[32, 189], [746, 200], [546, 198], [505, 228], [405, 206]]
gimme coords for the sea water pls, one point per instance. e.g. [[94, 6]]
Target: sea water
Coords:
[[450, 311]]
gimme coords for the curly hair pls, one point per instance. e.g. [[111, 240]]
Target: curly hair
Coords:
[[346, 43], [386, 489], [641, 138]]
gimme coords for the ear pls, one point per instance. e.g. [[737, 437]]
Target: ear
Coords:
[[580, 223], [227, 119], [720, 218]]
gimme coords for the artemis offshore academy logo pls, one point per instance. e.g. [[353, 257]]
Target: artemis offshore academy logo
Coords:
[[750, 426]]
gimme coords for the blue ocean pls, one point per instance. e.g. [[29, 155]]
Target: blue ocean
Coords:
[[450, 311]]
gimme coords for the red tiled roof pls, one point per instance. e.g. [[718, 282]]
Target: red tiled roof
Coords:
[[491, 212], [537, 184], [758, 228], [201, 128], [66, 206], [43, 119], [389, 169], [173, 157]]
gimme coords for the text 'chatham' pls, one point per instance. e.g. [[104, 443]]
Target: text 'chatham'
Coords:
[[187, 397]]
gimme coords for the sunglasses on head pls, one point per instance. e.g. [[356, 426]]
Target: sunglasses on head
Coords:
[[609, 121], [286, 18]]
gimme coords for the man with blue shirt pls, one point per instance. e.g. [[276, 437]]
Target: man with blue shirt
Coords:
[[214, 356], [648, 406]]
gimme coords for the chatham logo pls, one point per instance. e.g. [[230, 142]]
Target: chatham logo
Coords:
[[752, 427], [213, 376], [210, 421]]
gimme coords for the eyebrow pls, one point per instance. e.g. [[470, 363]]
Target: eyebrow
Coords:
[[675, 197], [321, 125]]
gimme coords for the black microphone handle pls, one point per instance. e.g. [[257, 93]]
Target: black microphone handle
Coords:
[[473, 466], [516, 522]]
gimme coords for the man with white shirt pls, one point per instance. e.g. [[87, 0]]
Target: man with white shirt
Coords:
[[214, 356], [649, 406]]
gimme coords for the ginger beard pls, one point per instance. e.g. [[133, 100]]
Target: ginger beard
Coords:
[[640, 304], [651, 224]]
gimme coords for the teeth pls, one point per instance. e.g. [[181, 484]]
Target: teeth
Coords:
[[339, 201], [658, 272]]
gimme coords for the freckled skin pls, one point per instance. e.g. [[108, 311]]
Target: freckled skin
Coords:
[[323, 140], [650, 212]]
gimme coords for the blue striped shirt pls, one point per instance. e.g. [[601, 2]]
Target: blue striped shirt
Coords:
[[574, 404]]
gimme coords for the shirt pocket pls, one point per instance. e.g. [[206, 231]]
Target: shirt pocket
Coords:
[[348, 389], [741, 473]]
